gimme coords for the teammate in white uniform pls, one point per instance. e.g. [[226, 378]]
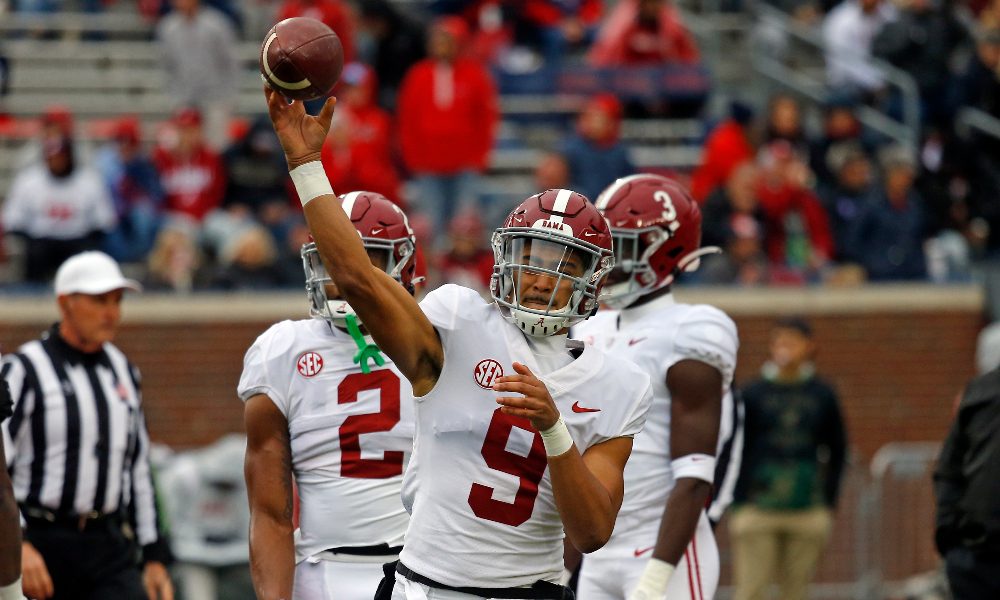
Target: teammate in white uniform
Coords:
[[662, 546], [10, 526], [324, 406], [517, 439]]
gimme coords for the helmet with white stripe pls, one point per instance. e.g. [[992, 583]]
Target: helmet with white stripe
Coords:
[[551, 257], [656, 226], [389, 240]]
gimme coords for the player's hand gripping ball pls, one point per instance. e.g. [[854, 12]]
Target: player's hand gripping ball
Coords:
[[302, 58]]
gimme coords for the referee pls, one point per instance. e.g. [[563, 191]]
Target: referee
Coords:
[[10, 530], [79, 451]]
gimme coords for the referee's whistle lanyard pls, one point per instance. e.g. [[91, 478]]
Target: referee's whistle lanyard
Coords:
[[366, 351]]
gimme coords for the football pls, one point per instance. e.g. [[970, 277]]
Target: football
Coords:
[[302, 58]]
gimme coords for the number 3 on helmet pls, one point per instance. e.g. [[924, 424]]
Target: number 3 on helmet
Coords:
[[656, 226]]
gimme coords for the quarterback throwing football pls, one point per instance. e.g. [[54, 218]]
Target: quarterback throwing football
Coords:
[[518, 436]]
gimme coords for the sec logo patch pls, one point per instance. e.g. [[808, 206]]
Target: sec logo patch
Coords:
[[309, 364], [486, 373]]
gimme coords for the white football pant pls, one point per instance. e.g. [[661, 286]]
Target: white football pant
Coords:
[[614, 574], [336, 580]]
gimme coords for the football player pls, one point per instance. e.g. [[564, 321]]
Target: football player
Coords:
[[10, 525], [325, 408], [662, 545], [518, 439]]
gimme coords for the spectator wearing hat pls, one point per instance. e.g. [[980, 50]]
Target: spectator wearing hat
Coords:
[[889, 234], [643, 32], [191, 172], [448, 116], [83, 482], [56, 122], [794, 450], [135, 189], [58, 208], [198, 45], [595, 153], [257, 184], [845, 198], [357, 154]]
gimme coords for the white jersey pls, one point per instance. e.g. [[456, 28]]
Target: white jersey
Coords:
[[351, 433], [655, 336], [483, 512], [42, 206]]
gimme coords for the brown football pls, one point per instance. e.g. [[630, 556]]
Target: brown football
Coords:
[[302, 58]]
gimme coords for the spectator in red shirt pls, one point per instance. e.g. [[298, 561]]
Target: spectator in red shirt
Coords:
[[559, 25], [333, 13], [193, 179], [448, 118], [467, 261], [726, 147], [798, 240], [358, 153], [643, 32]]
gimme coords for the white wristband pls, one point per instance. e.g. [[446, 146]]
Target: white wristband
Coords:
[[12, 591], [696, 466], [310, 181], [653, 583], [557, 439]]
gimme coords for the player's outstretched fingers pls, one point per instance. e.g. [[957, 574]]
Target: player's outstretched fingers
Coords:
[[325, 116]]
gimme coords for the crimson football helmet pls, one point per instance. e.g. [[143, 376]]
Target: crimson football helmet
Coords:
[[554, 243], [656, 226], [389, 240]]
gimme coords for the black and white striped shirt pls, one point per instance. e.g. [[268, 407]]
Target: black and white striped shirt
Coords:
[[77, 441]]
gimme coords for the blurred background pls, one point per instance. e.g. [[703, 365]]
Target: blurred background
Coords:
[[846, 155]]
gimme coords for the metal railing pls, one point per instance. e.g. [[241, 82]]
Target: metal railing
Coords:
[[970, 119], [905, 131], [900, 506]]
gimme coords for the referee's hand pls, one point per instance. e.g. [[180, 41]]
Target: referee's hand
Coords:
[[35, 579], [156, 580]]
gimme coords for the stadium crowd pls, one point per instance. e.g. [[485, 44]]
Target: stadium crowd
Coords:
[[209, 204]]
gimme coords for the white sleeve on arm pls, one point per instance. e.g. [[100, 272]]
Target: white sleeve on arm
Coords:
[[707, 335], [257, 377], [442, 305], [16, 214]]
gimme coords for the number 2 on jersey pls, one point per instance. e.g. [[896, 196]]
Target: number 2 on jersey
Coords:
[[528, 468], [351, 463]]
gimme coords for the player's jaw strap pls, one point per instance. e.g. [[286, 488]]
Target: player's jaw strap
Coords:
[[540, 590]]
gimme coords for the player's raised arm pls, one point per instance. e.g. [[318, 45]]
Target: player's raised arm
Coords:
[[389, 312]]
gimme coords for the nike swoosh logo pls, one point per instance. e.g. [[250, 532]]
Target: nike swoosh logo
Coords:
[[580, 409], [640, 551], [589, 234], [376, 231], [634, 342]]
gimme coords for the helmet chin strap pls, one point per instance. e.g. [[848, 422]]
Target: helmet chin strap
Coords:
[[537, 325]]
